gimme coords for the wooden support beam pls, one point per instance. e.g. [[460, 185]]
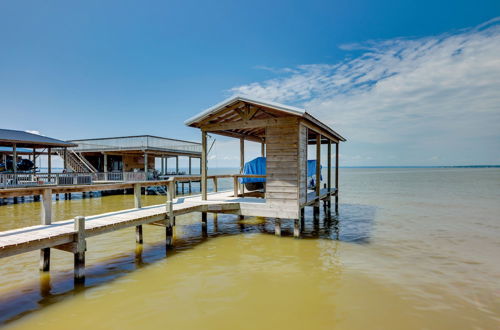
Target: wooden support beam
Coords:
[[170, 202], [337, 177], [46, 206], [137, 196], [204, 165], [49, 163], [235, 186], [215, 184], [34, 161], [329, 182], [105, 165], [81, 247], [262, 149], [318, 164], [297, 228], [138, 234], [277, 227], [255, 123], [14, 161]]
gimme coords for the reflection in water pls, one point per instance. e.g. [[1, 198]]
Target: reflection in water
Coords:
[[353, 223]]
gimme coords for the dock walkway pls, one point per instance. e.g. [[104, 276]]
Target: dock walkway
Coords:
[[58, 233]]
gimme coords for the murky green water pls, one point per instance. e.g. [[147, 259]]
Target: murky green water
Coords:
[[410, 248]]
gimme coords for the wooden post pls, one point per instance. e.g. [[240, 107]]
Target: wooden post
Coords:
[[204, 223], [263, 149], [14, 161], [105, 156], [170, 202], [49, 163], [80, 248], [146, 164], [329, 182], [318, 174], [242, 161], [277, 227], [318, 164], [34, 161], [215, 184], [235, 184], [138, 205], [170, 220], [337, 177], [46, 207], [65, 159], [46, 219], [162, 165], [137, 196], [204, 165], [176, 164], [296, 228], [190, 173]]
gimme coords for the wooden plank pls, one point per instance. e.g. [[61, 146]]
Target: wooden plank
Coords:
[[255, 123]]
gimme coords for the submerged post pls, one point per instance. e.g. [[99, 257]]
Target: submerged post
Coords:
[[204, 165], [80, 248], [46, 219], [138, 205], [277, 227], [170, 219]]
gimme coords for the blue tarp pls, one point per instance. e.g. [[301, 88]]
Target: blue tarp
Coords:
[[257, 166], [311, 168]]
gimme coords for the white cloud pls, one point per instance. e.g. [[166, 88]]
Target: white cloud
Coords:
[[419, 97]]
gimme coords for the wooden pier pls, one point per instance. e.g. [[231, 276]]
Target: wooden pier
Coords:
[[285, 134]]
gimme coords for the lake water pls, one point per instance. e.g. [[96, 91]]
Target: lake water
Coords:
[[409, 249]]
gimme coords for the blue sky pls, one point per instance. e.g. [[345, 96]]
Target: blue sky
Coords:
[[429, 95]]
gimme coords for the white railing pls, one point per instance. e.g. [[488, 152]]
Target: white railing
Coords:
[[119, 176], [26, 179], [11, 180]]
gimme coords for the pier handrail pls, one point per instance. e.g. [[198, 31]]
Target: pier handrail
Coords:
[[61, 189]]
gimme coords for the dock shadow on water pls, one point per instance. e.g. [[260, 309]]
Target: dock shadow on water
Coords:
[[354, 223]]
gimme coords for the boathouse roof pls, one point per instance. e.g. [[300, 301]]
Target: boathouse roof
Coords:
[[9, 137], [233, 109]]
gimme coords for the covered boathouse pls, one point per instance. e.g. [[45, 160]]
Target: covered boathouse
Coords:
[[285, 133]]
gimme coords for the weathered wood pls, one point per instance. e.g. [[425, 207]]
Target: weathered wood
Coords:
[[297, 228], [204, 165], [138, 234], [318, 164], [244, 124], [79, 256], [137, 196], [46, 206], [337, 177], [277, 227], [329, 182], [235, 186]]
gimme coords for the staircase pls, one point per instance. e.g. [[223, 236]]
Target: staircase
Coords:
[[76, 162]]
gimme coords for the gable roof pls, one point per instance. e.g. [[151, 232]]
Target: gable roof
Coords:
[[277, 108], [9, 137]]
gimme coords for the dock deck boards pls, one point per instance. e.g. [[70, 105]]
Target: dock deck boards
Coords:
[[61, 232]]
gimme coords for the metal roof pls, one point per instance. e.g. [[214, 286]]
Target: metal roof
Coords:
[[259, 102], [9, 137], [278, 106]]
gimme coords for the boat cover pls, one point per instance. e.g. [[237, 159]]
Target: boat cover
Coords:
[[257, 166]]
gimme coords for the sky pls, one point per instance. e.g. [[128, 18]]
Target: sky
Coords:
[[406, 82]]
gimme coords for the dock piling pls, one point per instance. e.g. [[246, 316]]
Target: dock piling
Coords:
[[80, 248], [277, 227], [46, 219]]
